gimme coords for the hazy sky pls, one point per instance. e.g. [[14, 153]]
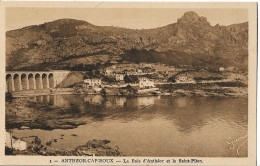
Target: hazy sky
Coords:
[[136, 18]]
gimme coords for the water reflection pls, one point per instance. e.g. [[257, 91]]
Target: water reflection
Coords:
[[187, 113], [145, 101], [175, 126], [181, 102], [94, 99], [39, 98], [120, 101]]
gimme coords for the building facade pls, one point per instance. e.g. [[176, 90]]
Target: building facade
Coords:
[[221, 69], [146, 83], [93, 82], [184, 79], [108, 72], [120, 77]]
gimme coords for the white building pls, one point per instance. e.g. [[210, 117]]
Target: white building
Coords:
[[93, 82], [108, 72], [139, 71], [182, 79], [146, 83], [120, 77], [221, 69]]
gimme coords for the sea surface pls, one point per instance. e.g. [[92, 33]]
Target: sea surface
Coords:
[[154, 126]]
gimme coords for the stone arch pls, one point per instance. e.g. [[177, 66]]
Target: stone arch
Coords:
[[31, 81], [51, 80], [24, 81], [44, 81], [38, 81], [9, 82], [16, 82]]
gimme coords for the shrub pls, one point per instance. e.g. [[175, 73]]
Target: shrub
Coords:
[[9, 97]]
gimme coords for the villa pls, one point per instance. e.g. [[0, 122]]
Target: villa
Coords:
[[120, 77], [146, 83], [93, 82]]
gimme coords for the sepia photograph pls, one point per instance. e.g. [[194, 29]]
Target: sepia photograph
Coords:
[[133, 82]]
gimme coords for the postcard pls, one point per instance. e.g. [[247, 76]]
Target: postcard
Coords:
[[128, 83]]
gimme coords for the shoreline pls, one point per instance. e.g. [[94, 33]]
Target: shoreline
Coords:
[[24, 113], [204, 92], [44, 117], [32, 145]]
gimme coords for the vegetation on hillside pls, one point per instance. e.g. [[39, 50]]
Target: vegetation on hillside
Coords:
[[78, 45]]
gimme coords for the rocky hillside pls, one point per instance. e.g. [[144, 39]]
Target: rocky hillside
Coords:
[[79, 45]]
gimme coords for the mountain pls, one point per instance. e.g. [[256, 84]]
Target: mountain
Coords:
[[75, 44]]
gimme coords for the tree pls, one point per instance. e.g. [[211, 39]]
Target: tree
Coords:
[[134, 78], [127, 79], [103, 92], [8, 97], [172, 79], [88, 74], [97, 72], [108, 79], [130, 79]]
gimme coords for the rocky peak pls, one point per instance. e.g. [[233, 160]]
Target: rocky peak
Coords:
[[191, 17]]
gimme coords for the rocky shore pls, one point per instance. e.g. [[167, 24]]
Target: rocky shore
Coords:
[[93, 147], [218, 89], [24, 113], [234, 89]]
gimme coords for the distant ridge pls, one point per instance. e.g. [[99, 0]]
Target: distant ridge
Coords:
[[76, 44]]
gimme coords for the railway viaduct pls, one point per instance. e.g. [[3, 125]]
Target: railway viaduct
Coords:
[[31, 80]]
